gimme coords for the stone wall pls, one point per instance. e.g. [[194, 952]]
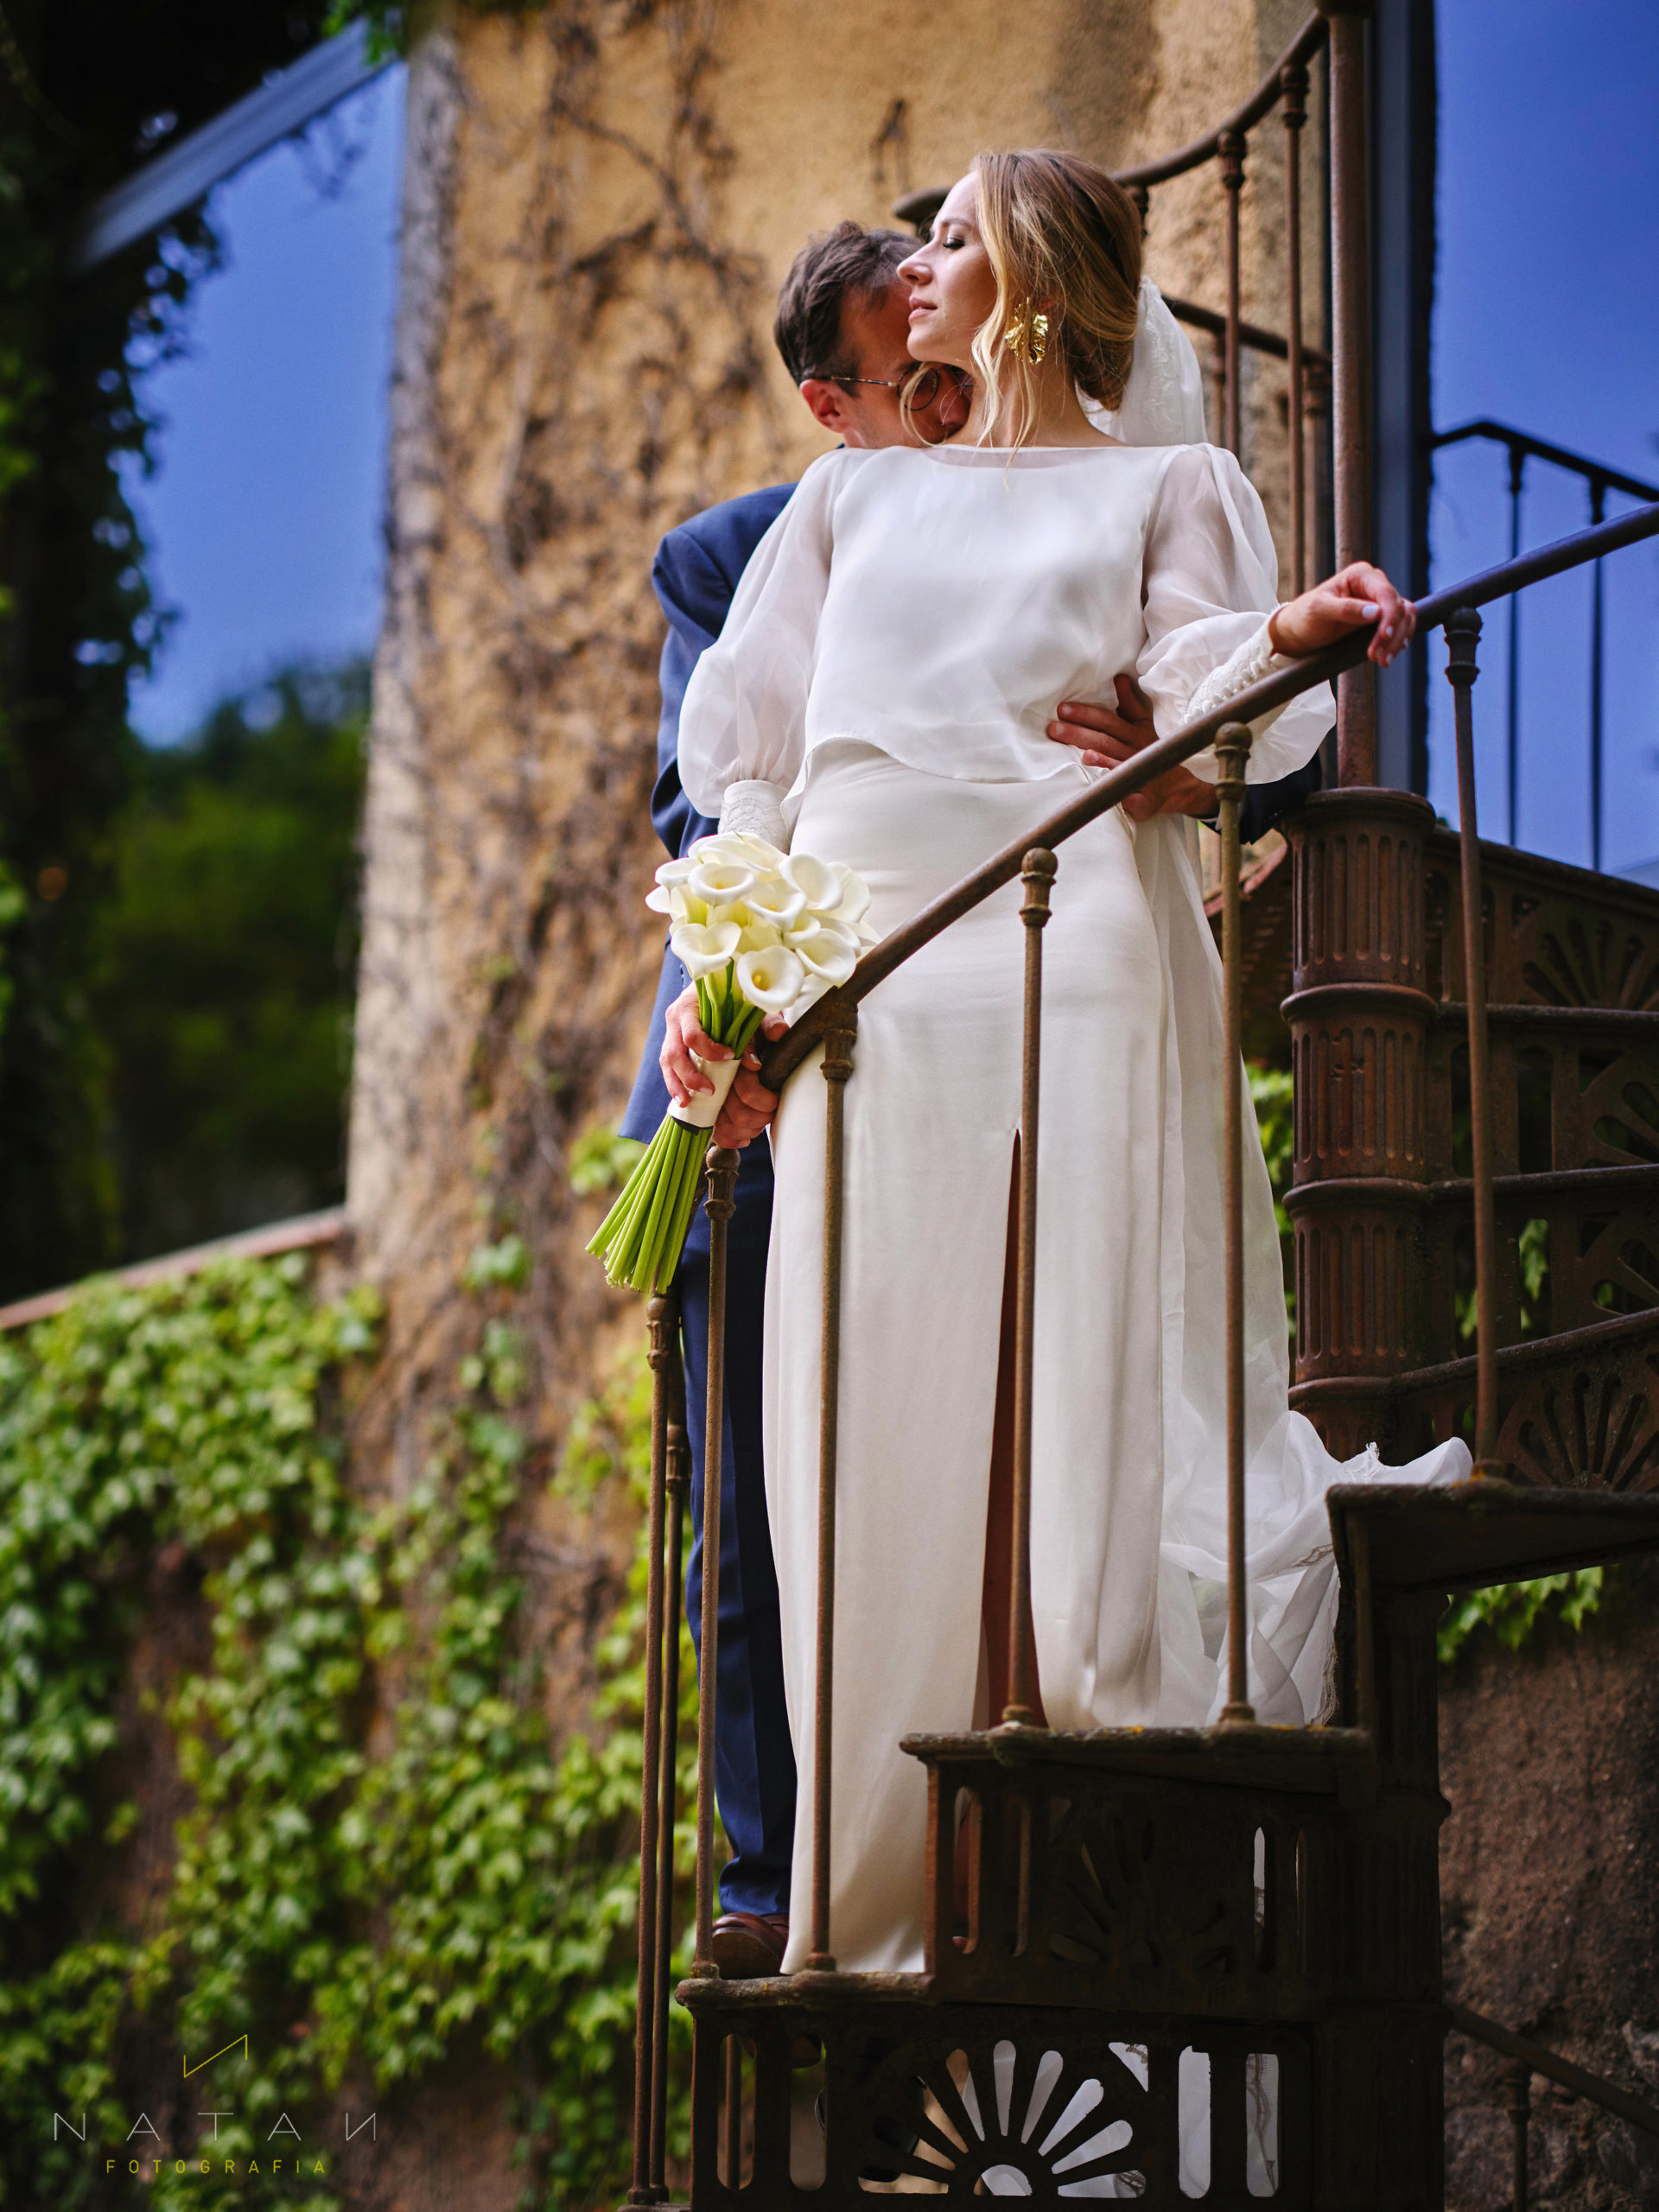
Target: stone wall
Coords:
[[1550, 1898]]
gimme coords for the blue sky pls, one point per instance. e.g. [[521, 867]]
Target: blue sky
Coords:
[[1546, 316], [266, 513], [265, 516]]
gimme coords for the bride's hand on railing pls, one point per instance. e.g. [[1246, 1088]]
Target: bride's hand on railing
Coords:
[[1356, 595], [750, 1106], [1108, 736]]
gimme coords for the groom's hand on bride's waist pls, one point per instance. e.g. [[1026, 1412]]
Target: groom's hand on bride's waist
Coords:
[[1108, 736], [749, 1106]]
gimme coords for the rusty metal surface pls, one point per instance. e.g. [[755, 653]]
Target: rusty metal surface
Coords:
[[948, 2093], [720, 1206], [1261, 103], [1350, 348], [1091, 1888], [1292, 81], [1230, 148], [837, 1069], [1039, 872], [663, 1320], [1554, 935], [1232, 755], [1472, 1535], [678, 1482], [1462, 638]]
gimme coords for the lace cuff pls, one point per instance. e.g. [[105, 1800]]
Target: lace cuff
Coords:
[[756, 807]]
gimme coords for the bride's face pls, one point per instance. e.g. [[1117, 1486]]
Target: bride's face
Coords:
[[952, 287]]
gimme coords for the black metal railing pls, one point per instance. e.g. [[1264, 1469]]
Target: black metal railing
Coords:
[[1599, 479]]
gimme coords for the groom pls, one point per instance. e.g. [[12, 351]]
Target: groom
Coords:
[[841, 326]]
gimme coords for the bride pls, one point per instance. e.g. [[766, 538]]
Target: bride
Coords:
[[881, 695]]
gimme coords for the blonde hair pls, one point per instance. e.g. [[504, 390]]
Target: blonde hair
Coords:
[[1062, 238]]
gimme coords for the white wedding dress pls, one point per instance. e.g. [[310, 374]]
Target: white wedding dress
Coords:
[[896, 645]]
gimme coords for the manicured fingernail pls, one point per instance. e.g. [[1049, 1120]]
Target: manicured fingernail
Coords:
[[1369, 612]]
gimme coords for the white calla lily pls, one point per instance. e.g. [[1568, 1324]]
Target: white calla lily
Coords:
[[730, 847], [774, 899], [722, 883], [855, 893], [814, 878], [758, 935], [704, 947], [771, 978], [830, 954], [675, 871]]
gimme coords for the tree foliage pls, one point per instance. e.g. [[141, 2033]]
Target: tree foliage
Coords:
[[223, 963], [85, 93]]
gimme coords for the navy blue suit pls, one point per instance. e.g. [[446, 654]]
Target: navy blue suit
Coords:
[[695, 576]]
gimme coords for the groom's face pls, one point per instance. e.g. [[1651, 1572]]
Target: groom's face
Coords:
[[875, 333]]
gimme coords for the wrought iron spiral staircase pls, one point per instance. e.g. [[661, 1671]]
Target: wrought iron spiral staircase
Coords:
[[1210, 1960]]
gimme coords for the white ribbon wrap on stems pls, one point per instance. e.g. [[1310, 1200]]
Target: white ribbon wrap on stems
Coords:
[[702, 1109]]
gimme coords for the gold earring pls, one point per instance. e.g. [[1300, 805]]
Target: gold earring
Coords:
[[1026, 336]]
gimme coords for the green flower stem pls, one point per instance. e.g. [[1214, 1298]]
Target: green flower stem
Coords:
[[642, 1237]]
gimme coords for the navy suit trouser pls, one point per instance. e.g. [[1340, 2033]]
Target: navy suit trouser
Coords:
[[754, 1760]]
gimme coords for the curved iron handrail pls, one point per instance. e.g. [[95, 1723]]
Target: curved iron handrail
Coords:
[[780, 1059], [1301, 50]]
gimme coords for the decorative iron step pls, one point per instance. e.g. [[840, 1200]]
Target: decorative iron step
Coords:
[[1033, 2101], [1576, 1412], [1476, 1533]]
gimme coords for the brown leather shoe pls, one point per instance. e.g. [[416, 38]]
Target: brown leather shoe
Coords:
[[749, 1946]]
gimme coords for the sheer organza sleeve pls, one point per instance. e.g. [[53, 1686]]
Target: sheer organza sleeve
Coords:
[[743, 720], [1210, 581]]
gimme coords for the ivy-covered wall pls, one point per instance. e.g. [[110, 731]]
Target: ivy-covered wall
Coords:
[[279, 1780]]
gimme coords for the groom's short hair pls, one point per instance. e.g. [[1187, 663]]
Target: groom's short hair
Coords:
[[847, 262]]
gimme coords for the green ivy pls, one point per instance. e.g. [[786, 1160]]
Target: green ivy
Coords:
[[1514, 1610], [362, 1917]]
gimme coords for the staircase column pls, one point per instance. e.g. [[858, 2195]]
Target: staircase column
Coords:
[[1358, 1012]]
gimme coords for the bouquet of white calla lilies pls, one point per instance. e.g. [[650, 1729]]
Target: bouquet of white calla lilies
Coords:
[[759, 932]]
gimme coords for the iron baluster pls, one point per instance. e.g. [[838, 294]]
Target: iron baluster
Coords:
[[720, 1205], [837, 1067], [1517, 468], [1598, 506], [1293, 77], [679, 1489], [1233, 750], [660, 1320], [733, 2113], [1462, 636], [1039, 873], [1351, 358], [1231, 147], [1517, 2083]]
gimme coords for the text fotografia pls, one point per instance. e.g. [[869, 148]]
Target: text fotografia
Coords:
[[283, 2161]]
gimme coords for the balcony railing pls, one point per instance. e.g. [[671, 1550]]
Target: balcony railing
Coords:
[[1599, 479]]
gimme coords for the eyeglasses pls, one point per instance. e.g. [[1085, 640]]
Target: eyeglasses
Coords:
[[922, 391]]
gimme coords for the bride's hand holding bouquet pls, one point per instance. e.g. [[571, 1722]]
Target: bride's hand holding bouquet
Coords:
[[762, 933]]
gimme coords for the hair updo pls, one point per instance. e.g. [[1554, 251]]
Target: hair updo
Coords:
[[1063, 238]]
